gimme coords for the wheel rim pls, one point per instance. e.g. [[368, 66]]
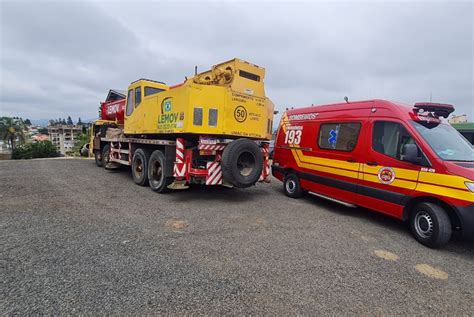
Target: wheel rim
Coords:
[[246, 163], [424, 224], [138, 167], [290, 186], [156, 173]]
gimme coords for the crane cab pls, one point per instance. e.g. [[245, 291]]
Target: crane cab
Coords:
[[141, 96]]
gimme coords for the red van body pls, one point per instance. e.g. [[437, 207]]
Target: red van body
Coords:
[[403, 161]]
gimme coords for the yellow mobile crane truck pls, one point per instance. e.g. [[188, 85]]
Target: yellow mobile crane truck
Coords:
[[211, 129]]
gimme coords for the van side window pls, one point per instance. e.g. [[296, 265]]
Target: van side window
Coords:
[[129, 102], [389, 138], [339, 136], [138, 96]]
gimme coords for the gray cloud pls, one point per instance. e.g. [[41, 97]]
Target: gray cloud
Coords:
[[60, 58]]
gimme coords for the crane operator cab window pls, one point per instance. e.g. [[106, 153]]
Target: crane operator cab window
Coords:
[[152, 90], [138, 96], [130, 102]]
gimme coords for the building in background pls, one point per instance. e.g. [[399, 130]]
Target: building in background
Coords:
[[466, 129], [40, 137], [64, 136], [5, 152], [458, 119]]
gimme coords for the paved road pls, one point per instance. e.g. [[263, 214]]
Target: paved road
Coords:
[[75, 238]]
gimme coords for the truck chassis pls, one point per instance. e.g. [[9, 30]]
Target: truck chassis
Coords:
[[185, 162]]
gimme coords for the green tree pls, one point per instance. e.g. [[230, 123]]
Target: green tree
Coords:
[[79, 122], [28, 122], [79, 143], [12, 130], [43, 130], [35, 150], [69, 120]]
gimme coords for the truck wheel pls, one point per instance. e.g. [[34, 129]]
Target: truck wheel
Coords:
[[105, 156], [291, 186], [242, 163], [156, 172], [140, 166], [430, 225], [98, 158]]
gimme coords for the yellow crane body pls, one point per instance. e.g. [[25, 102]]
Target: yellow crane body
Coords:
[[227, 101]]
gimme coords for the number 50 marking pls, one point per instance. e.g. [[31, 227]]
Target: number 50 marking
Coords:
[[293, 136]]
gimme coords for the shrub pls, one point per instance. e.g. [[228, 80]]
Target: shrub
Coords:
[[35, 150], [79, 143]]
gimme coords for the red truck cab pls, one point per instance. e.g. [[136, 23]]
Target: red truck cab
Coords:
[[403, 161]]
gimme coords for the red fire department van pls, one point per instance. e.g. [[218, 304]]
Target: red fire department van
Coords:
[[403, 161]]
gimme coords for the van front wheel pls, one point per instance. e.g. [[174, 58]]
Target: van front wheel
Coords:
[[291, 186], [430, 225]]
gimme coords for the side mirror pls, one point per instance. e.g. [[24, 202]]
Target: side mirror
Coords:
[[410, 154]]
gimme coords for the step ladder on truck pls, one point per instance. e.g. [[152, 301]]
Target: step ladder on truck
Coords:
[[212, 129]]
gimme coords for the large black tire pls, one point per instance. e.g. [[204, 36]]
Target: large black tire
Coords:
[[242, 163], [98, 158], [105, 155], [140, 166], [292, 186], [156, 172], [430, 225]]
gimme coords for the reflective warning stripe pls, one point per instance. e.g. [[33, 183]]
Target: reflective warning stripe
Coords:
[[443, 179], [214, 173], [179, 150], [179, 169], [434, 183], [266, 163], [211, 147]]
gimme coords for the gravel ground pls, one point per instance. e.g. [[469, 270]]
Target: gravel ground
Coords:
[[78, 239]]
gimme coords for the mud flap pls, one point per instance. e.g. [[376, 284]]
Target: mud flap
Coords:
[[170, 155]]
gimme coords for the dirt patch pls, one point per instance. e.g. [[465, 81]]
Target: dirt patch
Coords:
[[258, 222], [177, 224], [431, 272], [363, 237], [386, 255]]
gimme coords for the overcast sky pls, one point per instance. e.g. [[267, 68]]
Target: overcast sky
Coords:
[[60, 58]]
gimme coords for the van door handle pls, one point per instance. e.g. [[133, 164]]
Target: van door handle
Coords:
[[351, 160], [372, 163]]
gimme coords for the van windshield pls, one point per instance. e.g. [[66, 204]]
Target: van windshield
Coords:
[[446, 141]]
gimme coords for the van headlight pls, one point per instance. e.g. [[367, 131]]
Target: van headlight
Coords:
[[470, 186]]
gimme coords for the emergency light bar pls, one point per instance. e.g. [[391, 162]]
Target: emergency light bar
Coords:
[[438, 109]]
